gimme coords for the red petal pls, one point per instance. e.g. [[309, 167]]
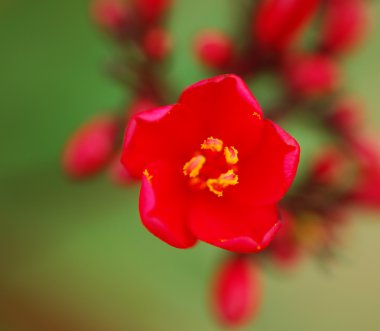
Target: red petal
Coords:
[[163, 208], [227, 111], [232, 226], [159, 134], [270, 171]]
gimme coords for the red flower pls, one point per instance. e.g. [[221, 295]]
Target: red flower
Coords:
[[212, 168], [279, 22], [237, 291]]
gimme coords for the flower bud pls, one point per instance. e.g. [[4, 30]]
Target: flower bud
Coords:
[[345, 24], [347, 115], [328, 167], [91, 147], [151, 11], [157, 44], [284, 248], [237, 291], [110, 15], [214, 49], [313, 75], [367, 188], [279, 22]]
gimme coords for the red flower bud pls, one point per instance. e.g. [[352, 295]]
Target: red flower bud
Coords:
[[347, 115], [151, 11], [91, 147], [237, 291], [279, 22], [110, 15], [118, 174], [328, 167], [284, 248], [214, 49], [157, 44], [367, 188], [312, 75], [345, 24]]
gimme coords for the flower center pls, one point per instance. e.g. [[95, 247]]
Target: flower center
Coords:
[[213, 166]]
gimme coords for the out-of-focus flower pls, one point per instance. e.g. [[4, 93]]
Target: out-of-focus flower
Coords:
[[157, 44], [312, 75], [284, 249], [91, 147], [236, 295], [346, 23], [367, 189], [278, 23], [151, 11], [347, 115], [214, 49], [212, 167], [110, 15], [328, 167]]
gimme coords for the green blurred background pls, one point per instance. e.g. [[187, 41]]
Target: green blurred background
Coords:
[[74, 257]]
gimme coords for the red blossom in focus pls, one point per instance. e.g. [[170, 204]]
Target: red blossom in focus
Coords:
[[212, 168], [237, 291], [157, 44], [278, 23], [214, 49], [345, 24], [312, 75], [91, 147]]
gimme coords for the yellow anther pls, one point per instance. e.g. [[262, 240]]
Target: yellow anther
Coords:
[[212, 144], [231, 155], [148, 176], [217, 185], [257, 115], [194, 166]]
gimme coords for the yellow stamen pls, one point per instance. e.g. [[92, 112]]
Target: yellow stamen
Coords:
[[257, 115], [231, 155], [194, 166], [148, 176], [212, 144], [217, 185]]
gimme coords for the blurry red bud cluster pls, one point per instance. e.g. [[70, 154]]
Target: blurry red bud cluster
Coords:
[[138, 22]]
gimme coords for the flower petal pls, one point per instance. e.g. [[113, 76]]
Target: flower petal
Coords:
[[269, 173], [159, 134], [232, 226], [227, 110], [163, 204]]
